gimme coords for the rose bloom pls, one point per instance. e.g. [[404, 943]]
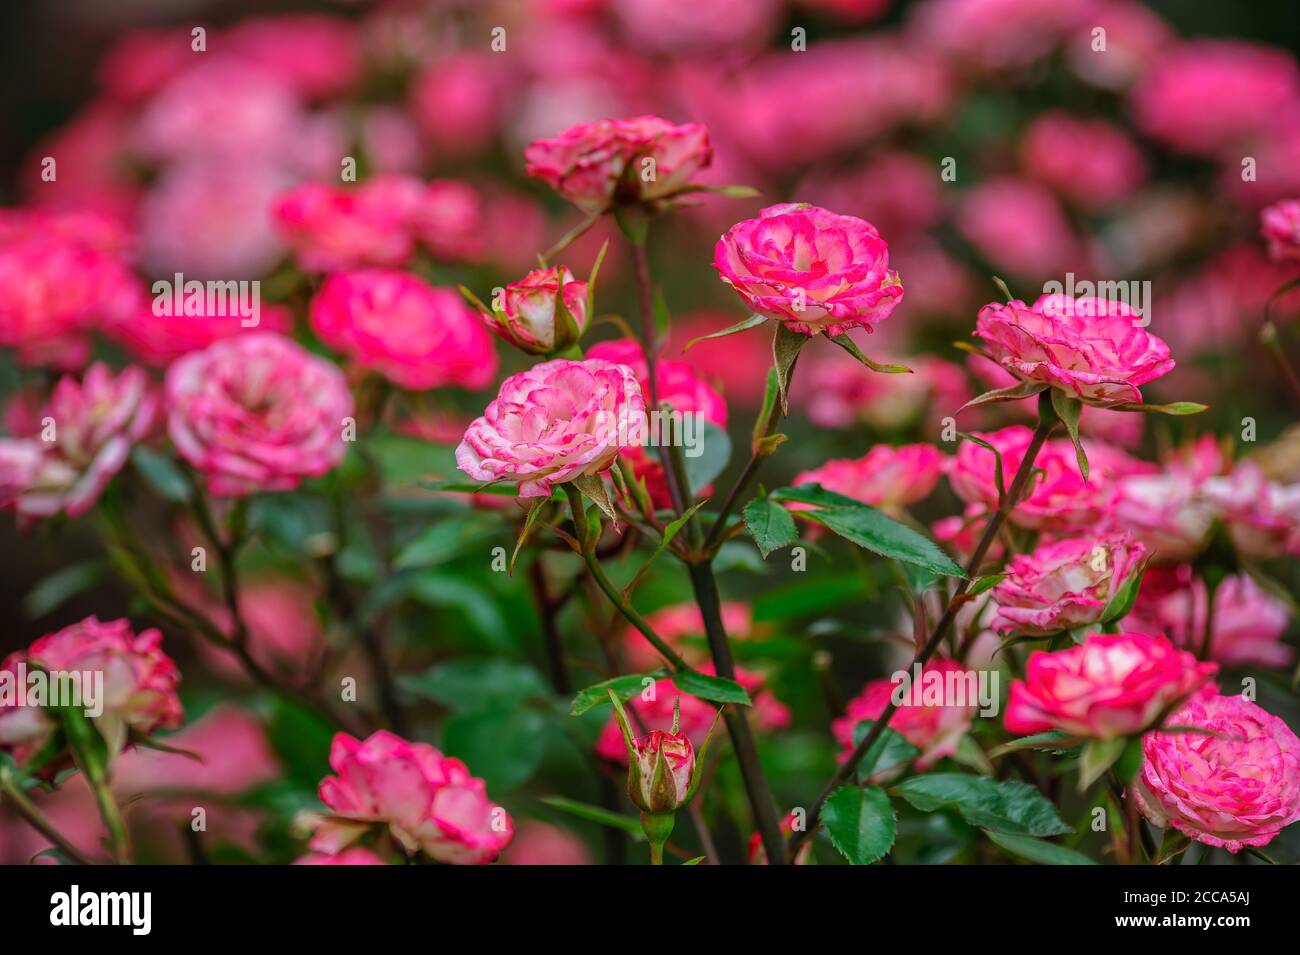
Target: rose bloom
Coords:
[[448, 220], [524, 314], [1166, 509], [1090, 162], [1248, 622], [678, 755], [457, 99], [1065, 584], [974, 31], [1018, 225], [257, 413], [810, 268], [1110, 685], [597, 165], [158, 340], [139, 691], [1058, 500], [1092, 349], [208, 220], [1238, 787], [676, 625], [59, 275], [332, 227], [97, 421], [840, 393], [890, 478], [1263, 516], [556, 421], [678, 385], [686, 27], [934, 730], [1280, 226], [1205, 95], [394, 323], [429, 802]]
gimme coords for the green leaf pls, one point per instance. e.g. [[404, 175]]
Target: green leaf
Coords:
[[815, 494], [670, 531], [501, 742], [716, 688], [1036, 850], [1098, 755], [1007, 806], [443, 540], [1121, 602], [301, 740], [593, 489], [786, 345], [890, 751], [696, 861], [770, 525], [468, 684], [1175, 408], [998, 478], [1051, 740], [850, 346], [624, 687], [62, 585], [861, 823], [595, 814], [985, 583], [1016, 392], [715, 454], [161, 473], [481, 607], [1068, 410], [742, 326], [872, 530]]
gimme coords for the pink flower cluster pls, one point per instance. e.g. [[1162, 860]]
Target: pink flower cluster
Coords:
[[890, 478]]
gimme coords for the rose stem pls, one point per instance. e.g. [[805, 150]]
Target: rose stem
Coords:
[[1046, 421]]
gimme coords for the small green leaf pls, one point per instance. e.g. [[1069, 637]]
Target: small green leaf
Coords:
[[715, 688], [786, 345], [1037, 850], [1053, 740], [1007, 806], [1098, 756], [1121, 602], [986, 583], [595, 814], [534, 512], [593, 489], [850, 346], [1175, 408], [861, 823], [62, 585], [1068, 410], [696, 861], [890, 751], [742, 326], [161, 473], [1016, 392], [624, 687], [501, 740], [770, 525]]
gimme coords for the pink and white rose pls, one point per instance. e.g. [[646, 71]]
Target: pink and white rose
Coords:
[[525, 313]]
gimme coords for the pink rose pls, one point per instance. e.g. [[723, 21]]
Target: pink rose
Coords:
[[414, 334], [556, 421], [60, 274], [597, 165], [524, 313], [1092, 349], [974, 31], [1019, 226], [1059, 499], [1110, 685], [256, 413], [139, 683], [887, 477], [159, 340], [449, 221], [684, 27], [1263, 516], [934, 730], [1236, 785], [331, 227], [1280, 226], [1248, 622], [1090, 162], [810, 268], [1205, 95], [96, 422], [429, 802], [1065, 585], [673, 786], [678, 385]]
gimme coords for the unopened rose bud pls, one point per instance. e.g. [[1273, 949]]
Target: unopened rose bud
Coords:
[[543, 313]]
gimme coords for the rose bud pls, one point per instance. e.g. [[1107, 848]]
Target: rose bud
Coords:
[[663, 773], [543, 313]]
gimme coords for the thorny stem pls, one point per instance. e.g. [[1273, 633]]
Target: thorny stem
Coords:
[[1046, 421]]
